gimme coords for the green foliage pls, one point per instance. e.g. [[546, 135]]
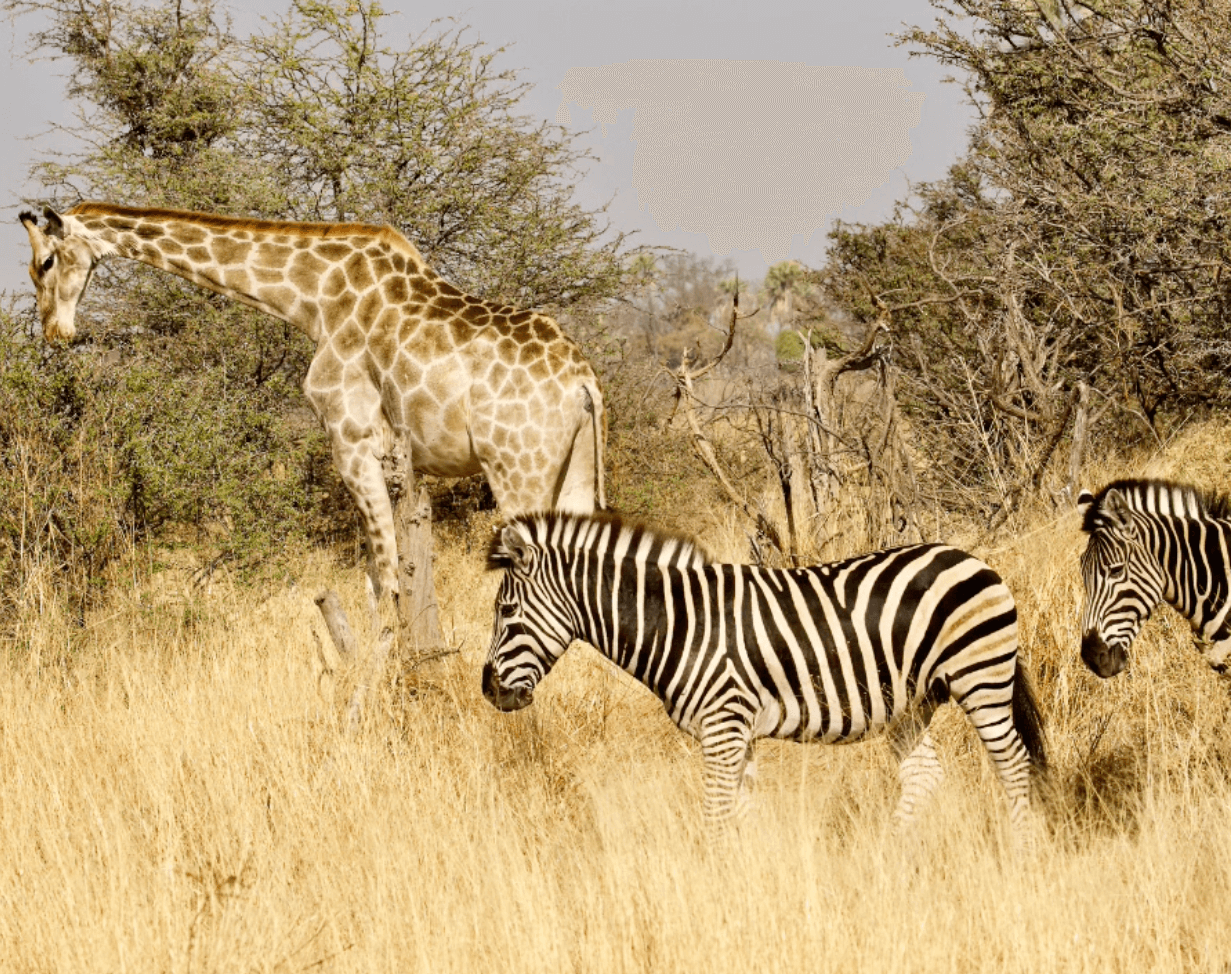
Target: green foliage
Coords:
[[184, 408], [1074, 255]]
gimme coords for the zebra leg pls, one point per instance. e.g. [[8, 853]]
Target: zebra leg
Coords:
[[726, 744], [747, 783], [919, 770], [993, 719]]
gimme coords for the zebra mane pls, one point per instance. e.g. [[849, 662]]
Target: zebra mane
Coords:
[[557, 530], [1144, 495]]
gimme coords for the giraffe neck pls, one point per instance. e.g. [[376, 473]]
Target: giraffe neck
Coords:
[[293, 271]]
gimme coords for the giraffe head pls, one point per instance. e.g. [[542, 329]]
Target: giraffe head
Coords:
[[61, 268]]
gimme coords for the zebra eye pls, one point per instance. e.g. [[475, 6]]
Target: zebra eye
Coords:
[[508, 609], [1116, 570], [47, 264]]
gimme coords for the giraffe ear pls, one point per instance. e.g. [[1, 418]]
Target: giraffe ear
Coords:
[[55, 225], [1084, 500], [38, 239]]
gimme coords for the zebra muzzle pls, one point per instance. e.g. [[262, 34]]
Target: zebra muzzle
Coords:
[[1103, 660], [502, 697]]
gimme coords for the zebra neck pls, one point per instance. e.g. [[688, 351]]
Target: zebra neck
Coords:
[[1193, 559]]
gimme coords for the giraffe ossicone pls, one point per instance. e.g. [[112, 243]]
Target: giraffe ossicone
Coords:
[[474, 386]]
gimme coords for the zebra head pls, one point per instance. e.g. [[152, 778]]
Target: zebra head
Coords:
[[1122, 578], [532, 629]]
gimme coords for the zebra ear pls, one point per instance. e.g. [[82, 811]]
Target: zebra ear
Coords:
[[516, 546], [1084, 500], [1115, 508]]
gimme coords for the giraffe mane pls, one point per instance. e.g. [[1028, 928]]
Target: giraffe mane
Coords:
[[541, 526], [1209, 503], [215, 221]]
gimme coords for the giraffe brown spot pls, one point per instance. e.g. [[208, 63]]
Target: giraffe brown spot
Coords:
[[172, 248], [383, 348], [521, 316], [546, 330], [352, 431], [421, 289], [348, 341], [188, 234], [279, 297], [325, 371], [399, 263], [369, 307], [359, 272], [335, 283], [333, 252], [337, 311], [272, 255], [460, 331], [148, 231], [266, 275], [236, 278], [506, 348], [530, 352], [497, 374], [449, 303], [306, 271], [407, 374], [501, 438], [381, 266], [521, 334], [198, 255], [387, 324], [433, 312], [395, 289], [229, 251], [539, 370]]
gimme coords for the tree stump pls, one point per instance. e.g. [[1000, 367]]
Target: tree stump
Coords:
[[418, 617]]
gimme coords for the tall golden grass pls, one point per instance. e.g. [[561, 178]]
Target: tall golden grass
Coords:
[[175, 796]]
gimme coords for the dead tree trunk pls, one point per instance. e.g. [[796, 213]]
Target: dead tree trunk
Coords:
[[418, 616]]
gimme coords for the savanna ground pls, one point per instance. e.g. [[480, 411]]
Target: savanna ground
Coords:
[[177, 797]]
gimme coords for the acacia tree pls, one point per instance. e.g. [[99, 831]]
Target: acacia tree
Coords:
[[1075, 254], [320, 118]]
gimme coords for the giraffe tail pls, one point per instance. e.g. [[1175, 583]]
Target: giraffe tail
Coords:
[[598, 423]]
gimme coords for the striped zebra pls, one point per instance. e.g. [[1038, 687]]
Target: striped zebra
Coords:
[[1153, 541], [736, 652]]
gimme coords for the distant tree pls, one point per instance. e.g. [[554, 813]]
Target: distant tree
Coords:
[[1076, 251]]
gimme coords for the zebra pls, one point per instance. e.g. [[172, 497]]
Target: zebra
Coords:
[[829, 653], [1153, 541]]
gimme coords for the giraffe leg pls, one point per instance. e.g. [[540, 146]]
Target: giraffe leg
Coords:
[[919, 770], [356, 427]]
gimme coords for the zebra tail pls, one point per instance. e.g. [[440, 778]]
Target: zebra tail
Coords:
[[1028, 720]]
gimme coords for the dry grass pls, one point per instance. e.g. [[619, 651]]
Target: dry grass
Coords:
[[175, 799]]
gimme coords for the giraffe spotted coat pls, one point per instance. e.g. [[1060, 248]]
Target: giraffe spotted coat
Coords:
[[476, 386]]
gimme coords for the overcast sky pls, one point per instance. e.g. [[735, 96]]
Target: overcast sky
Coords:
[[544, 39]]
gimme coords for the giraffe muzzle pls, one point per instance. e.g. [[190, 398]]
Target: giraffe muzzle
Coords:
[[1103, 660], [502, 697]]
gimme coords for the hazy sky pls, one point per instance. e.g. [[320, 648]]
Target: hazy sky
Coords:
[[547, 38]]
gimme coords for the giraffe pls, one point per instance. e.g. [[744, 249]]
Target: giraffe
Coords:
[[474, 386]]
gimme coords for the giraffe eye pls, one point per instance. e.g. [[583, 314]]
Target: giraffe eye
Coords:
[[47, 264]]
